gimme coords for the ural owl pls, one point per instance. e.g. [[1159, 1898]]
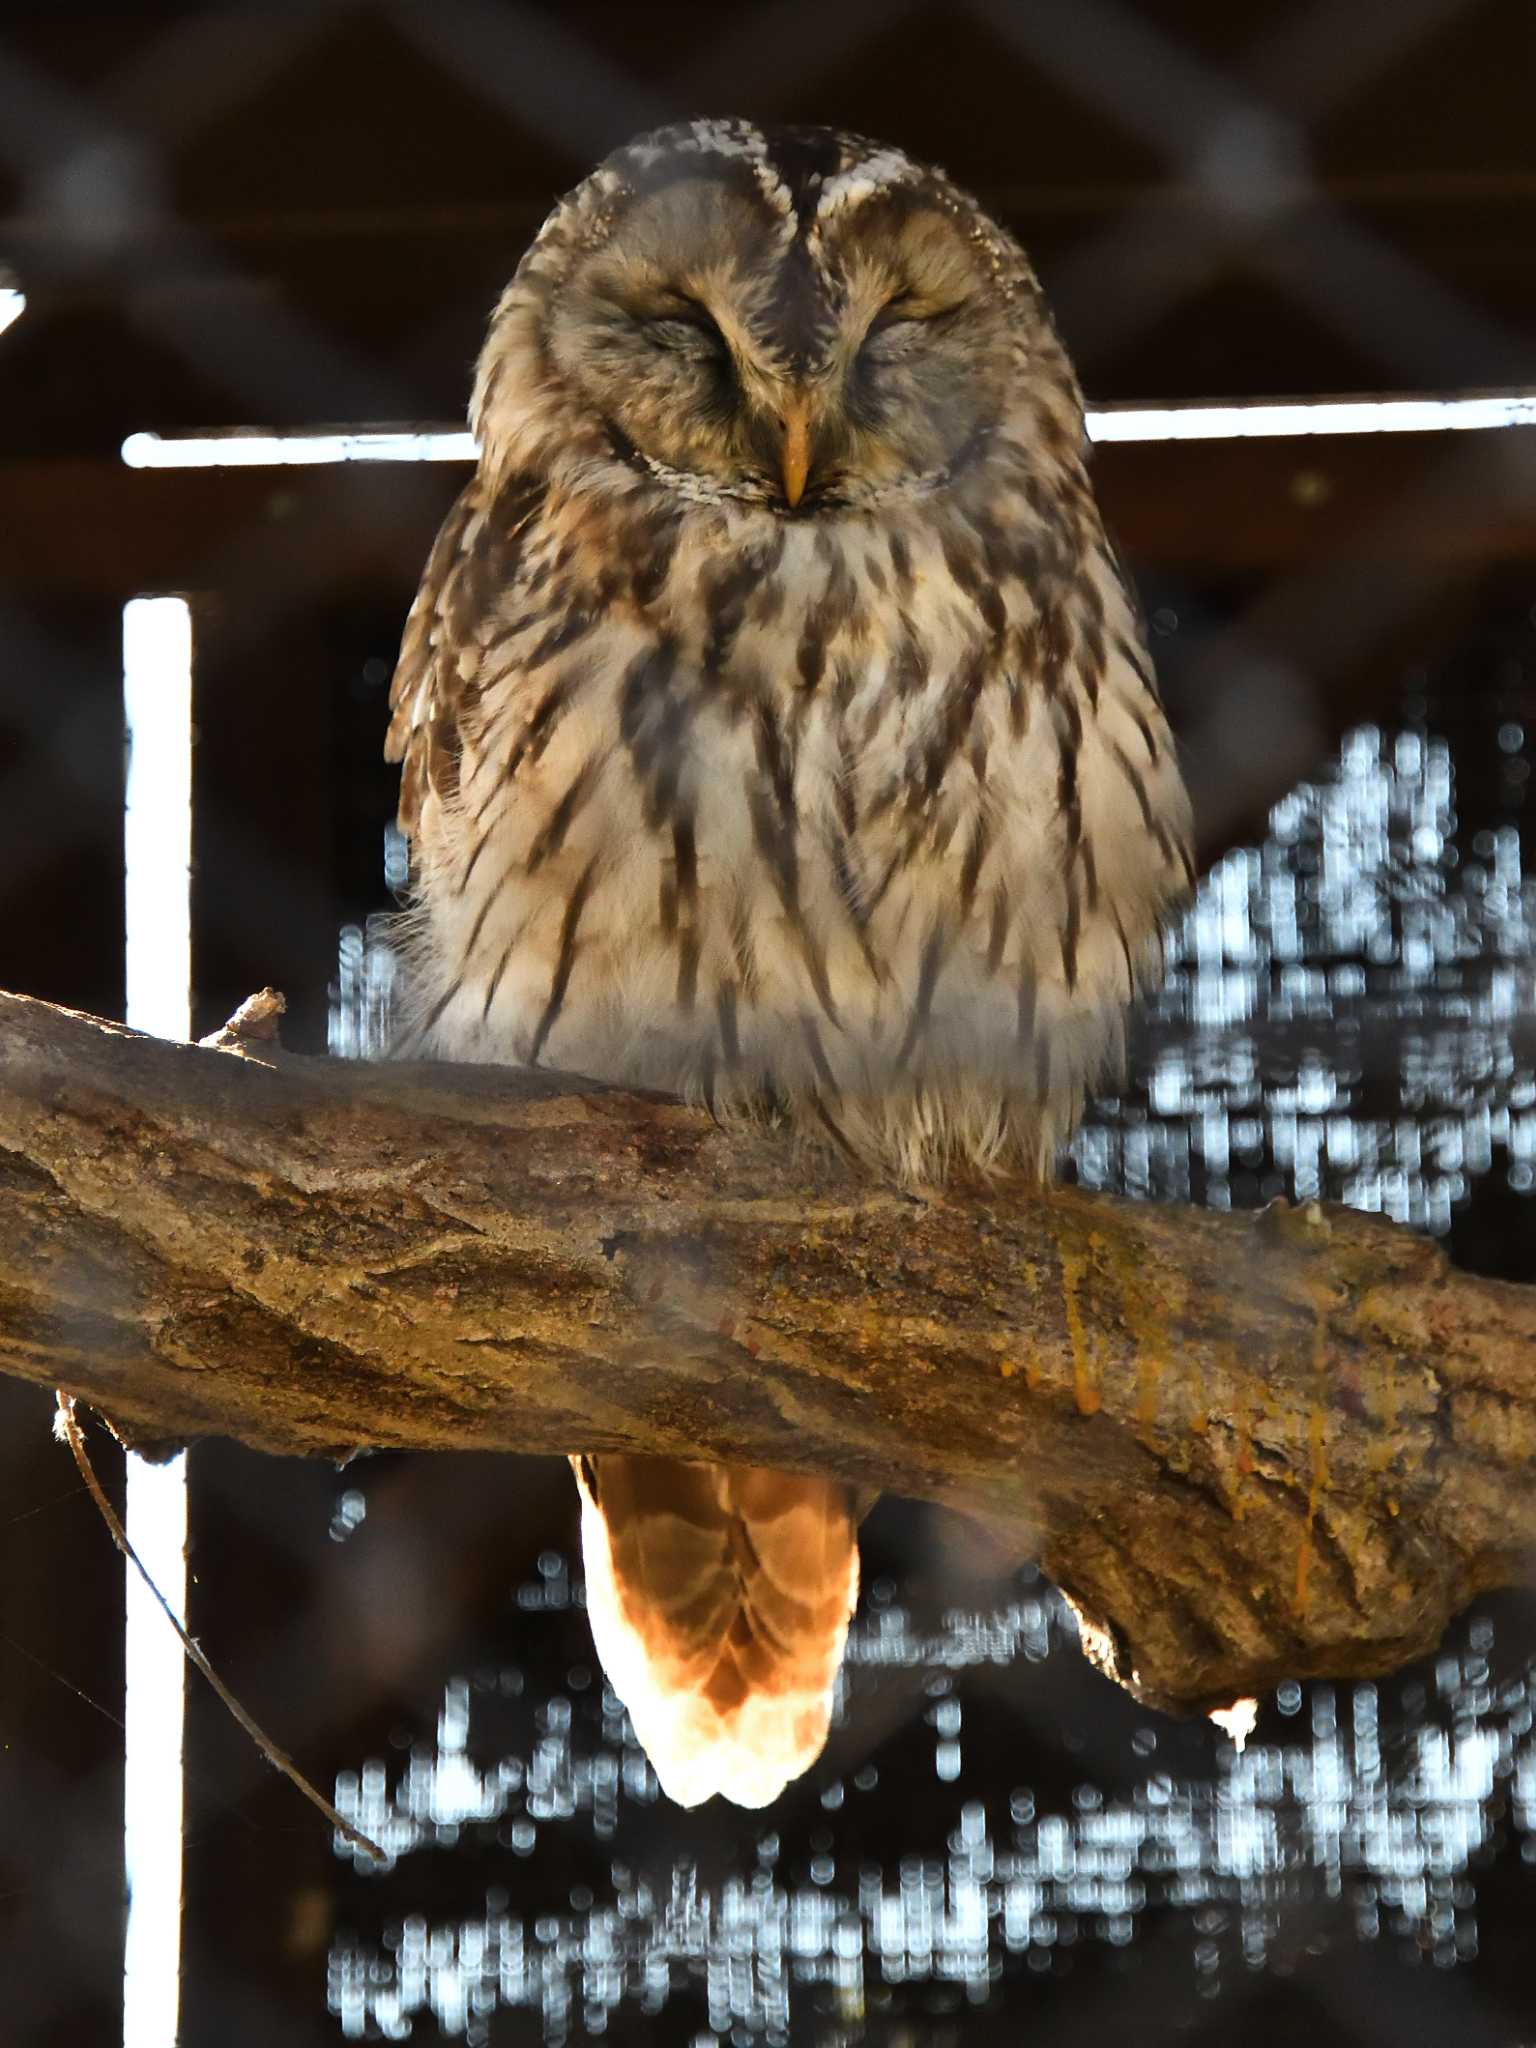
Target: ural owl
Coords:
[[778, 730]]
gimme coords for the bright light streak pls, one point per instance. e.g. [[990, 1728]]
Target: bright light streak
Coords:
[[252, 450], [157, 822], [13, 304], [154, 1708], [157, 847], [1251, 420], [1322, 416]]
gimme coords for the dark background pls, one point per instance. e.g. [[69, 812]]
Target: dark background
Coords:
[[301, 216]]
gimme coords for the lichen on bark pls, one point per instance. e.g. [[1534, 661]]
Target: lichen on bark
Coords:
[[1247, 1446]]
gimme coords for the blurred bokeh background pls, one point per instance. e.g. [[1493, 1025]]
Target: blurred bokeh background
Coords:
[[241, 217]]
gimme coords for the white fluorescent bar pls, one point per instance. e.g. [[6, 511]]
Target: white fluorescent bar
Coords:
[[153, 1709], [157, 821], [157, 847], [254, 451], [1323, 416], [13, 304], [1259, 419]]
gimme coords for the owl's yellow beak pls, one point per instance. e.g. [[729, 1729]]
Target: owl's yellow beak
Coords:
[[795, 455]]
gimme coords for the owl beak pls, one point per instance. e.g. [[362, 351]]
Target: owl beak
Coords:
[[795, 454]]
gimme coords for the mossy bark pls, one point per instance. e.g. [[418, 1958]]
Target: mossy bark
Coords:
[[1247, 1446]]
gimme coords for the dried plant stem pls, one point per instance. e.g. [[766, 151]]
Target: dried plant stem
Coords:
[[74, 1436]]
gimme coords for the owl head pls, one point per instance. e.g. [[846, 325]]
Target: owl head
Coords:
[[795, 318]]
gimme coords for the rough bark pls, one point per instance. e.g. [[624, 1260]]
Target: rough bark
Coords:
[[1247, 1446]]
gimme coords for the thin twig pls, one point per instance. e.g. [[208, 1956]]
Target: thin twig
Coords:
[[74, 1436]]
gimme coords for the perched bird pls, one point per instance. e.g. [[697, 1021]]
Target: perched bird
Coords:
[[777, 728]]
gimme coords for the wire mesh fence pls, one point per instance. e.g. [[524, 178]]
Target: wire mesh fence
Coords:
[[250, 218]]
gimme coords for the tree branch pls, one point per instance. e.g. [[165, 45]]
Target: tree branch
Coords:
[[1247, 1446]]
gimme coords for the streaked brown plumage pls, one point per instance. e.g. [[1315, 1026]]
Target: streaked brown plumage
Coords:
[[726, 1592], [777, 728]]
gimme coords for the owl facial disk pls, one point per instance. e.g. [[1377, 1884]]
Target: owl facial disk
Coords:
[[730, 342]]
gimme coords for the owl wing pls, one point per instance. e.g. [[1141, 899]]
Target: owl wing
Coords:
[[719, 1599], [476, 564]]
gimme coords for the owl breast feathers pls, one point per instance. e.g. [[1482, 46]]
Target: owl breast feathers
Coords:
[[777, 727]]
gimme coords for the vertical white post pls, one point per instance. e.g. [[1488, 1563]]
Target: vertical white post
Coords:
[[157, 849], [157, 815]]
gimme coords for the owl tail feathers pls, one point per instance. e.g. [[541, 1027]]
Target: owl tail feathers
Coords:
[[719, 1598]]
